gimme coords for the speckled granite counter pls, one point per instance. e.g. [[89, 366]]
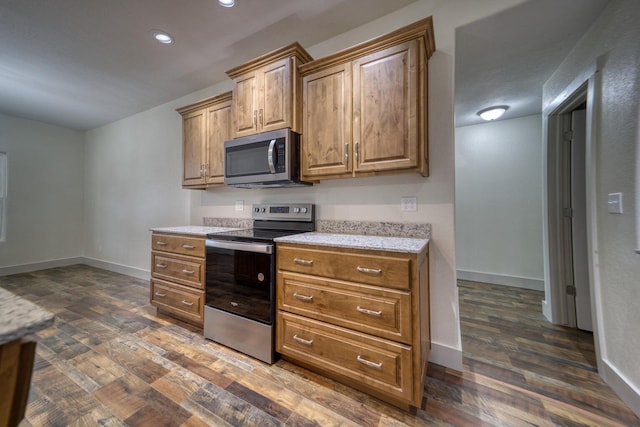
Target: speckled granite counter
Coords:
[[195, 230], [393, 244], [19, 317]]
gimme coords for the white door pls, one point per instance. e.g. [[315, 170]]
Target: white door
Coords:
[[579, 220]]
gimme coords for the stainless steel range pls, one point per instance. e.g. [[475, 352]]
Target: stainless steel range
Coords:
[[241, 278]]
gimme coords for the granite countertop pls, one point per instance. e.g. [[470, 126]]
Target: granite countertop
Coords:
[[196, 230], [19, 317], [393, 244]]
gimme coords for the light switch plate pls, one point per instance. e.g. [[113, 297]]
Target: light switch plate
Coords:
[[615, 203], [408, 204], [239, 205]]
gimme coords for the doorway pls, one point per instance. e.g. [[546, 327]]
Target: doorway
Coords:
[[570, 172], [573, 224]]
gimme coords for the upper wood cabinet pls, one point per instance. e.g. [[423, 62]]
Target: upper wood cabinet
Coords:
[[365, 108], [266, 92], [205, 126]]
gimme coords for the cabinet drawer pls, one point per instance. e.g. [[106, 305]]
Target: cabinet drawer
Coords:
[[371, 269], [372, 362], [378, 311], [188, 271], [193, 246], [178, 299]]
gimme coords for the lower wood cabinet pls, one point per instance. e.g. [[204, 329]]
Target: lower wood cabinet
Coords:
[[359, 316], [16, 366], [178, 276]]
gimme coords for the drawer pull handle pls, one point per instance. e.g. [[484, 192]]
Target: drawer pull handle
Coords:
[[303, 341], [188, 247], [369, 312], [161, 265], [303, 297], [161, 243], [303, 261], [369, 270], [187, 303], [189, 272], [369, 363], [158, 294]]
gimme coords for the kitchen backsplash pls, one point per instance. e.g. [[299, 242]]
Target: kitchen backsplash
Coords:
[[227, 222], [375, 228], [367, 228]]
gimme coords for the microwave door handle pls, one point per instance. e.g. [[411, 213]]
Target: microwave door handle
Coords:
[[270, 154]]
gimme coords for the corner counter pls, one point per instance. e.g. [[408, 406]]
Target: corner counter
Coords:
[[18, 319]]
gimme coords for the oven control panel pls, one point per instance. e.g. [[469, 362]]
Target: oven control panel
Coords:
[[284, 212]]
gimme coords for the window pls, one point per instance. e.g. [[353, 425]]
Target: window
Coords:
[[3, 194]]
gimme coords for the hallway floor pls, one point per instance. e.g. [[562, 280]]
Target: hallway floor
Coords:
[[109, 360]]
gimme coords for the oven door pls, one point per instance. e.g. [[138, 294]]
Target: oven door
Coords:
[[240, 279]]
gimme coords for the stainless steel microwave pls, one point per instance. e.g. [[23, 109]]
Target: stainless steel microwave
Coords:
[[269, 159]]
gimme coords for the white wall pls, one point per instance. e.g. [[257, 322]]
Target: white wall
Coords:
[[133, 175], [611, 46], [133, 183], [499, 202], [44, 197]]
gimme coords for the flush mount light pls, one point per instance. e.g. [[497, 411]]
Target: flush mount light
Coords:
[[162, 36], [492, 113], [227, 3]]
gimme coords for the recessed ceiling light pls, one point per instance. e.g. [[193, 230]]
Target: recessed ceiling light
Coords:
[[492, 113], [162, 36], [227, 3]]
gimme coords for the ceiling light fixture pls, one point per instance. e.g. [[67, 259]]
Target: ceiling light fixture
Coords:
[[227, 3], [492, 113], [162, 36]]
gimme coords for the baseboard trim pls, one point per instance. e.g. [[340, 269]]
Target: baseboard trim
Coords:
[[138, 273], [446, 356], [621, 386], [500, 279], [41, 265]]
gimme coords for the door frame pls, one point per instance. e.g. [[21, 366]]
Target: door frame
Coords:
[[556, 306]]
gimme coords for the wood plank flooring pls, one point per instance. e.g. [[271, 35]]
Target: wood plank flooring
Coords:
[[110, 361]]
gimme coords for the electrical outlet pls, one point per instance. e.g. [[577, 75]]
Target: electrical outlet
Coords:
[[240, 205], [408, 204]]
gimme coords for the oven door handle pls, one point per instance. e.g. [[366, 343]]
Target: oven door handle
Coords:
[[262, 248]]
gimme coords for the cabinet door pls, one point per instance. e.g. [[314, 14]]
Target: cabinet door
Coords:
[[245, 104], [193, 142], [275, 105], [385, 109], [218, 131], [326, 136]]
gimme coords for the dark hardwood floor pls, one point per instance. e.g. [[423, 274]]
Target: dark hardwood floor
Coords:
[[110, 361]]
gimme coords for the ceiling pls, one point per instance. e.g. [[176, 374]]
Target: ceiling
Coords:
[[85, 63], [505, 58]]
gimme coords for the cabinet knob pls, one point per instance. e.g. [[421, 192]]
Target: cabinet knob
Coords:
[[369, 363], [158, 294], [369, 312], [369, 270], [302, 340], [303, 261], [303, 297]]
